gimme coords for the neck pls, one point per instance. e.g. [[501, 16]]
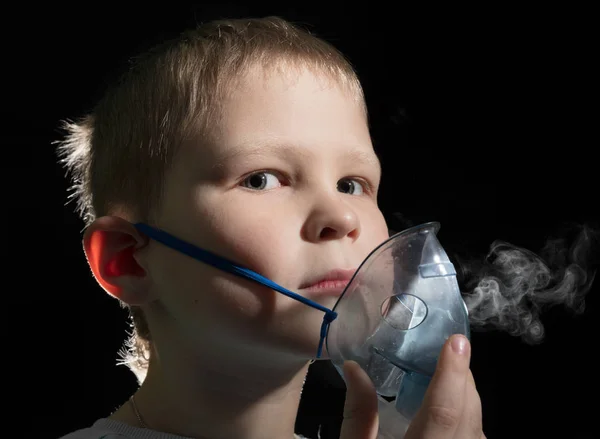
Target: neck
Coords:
[[221, 399]]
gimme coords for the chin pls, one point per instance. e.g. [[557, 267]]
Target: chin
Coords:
[[302, 346]]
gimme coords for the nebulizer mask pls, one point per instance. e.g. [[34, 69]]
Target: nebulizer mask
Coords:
[[393, 317]]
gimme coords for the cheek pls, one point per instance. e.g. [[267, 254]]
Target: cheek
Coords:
[[375, 227], [261, 242], [198, 298], [176, 278], [190, 287]]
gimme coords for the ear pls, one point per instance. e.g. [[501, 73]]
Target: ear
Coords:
[[111, 245]]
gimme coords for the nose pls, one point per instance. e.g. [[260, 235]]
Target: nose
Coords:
[[331, 218]]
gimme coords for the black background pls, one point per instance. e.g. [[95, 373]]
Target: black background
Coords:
[[484, 119]]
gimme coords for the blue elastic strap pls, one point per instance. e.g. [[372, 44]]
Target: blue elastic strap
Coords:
[[233, 268]]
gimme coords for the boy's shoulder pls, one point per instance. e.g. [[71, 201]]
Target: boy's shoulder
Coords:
[[106, 428], [110, 429], [101, 429]]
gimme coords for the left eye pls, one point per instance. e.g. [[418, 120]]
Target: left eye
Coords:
[[261, 181], [350, 186]]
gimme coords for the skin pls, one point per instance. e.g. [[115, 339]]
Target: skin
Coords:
[[287, 187]]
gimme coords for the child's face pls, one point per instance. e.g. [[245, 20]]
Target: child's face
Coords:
[[288, 189]]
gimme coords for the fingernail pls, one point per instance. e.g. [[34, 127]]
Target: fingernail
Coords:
[[459, 344]]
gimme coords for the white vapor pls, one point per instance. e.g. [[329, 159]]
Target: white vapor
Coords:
[[512, 286]]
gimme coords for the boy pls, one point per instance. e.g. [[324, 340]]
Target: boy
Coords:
[[247, 138]]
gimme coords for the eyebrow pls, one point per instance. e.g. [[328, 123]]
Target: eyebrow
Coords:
[[266, 148]]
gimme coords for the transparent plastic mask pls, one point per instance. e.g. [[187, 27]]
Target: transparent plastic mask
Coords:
[[393, 317]]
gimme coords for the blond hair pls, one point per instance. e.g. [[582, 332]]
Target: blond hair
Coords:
[[117, 155]]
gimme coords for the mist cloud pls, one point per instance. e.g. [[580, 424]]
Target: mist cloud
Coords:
[[512, 286]]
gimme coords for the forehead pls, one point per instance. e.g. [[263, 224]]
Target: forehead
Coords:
[[291, 106]]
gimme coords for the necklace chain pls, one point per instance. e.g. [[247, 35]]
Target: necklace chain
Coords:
[[137, 412]]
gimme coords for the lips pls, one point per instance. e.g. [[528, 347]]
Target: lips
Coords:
[[332, 282]]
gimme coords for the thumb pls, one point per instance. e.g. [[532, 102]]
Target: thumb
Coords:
[[361, 419]]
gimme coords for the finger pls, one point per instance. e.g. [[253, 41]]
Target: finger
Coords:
[[360, 409], [470, 425], [442, 408]]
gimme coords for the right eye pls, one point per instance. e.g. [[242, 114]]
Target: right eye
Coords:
[[261, 181]]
